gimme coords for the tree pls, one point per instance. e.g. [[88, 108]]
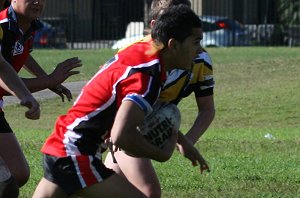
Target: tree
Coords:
[[289, 12]]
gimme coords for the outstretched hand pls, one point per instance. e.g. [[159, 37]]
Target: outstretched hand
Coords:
[[34, 108], [63, 92], [188, 150], [64, 70]]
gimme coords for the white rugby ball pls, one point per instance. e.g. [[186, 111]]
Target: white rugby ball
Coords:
[[157, 127]]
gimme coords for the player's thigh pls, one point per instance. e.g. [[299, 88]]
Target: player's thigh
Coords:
[[114, 186], [46, 188], [139, 171], [12, 154]]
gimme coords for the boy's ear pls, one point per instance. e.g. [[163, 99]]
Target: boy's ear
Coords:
[[152, 23], [173, 44]]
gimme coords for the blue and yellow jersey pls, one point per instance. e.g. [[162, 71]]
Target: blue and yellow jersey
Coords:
[[181, 83]]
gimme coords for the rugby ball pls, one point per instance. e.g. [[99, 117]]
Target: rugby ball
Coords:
[[157, 127]]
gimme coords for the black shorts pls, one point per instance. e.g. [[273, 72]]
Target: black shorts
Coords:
[[4, 126], [73, 173]]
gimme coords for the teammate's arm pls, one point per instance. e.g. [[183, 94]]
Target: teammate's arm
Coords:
[[206, 114], [34, 68], [188, 150], [10, 81], [62, 71]]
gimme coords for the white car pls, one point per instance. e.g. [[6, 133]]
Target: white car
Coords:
[[217, 32], [126, 41], [221, 31]]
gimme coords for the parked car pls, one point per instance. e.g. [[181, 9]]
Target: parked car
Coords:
[[50, 37], [217, 32], [223, 32]]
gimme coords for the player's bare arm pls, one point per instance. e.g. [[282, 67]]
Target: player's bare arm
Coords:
[[35, 69], [62, 71], [125, 135], [188, 150], [10, 81], [204, 118]]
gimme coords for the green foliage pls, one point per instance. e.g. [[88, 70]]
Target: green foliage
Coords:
[[289, 11], [257, 92]]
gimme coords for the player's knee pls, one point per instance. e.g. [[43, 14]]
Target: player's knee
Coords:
[[155, 194], [152, 192], [9, 188]]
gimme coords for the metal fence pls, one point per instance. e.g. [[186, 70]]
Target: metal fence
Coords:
[[101, 23]]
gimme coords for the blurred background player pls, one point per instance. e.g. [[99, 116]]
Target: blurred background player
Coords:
[[10, 81], [179, 84], [18, 23], [112, 104]]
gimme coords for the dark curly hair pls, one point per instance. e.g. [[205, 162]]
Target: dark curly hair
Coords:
[[158, 6], [175, 22]]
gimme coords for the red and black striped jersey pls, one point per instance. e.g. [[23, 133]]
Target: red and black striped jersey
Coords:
[[132, 74], [15, 45]]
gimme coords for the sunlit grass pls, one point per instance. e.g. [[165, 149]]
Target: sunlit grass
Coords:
[[257, 93]]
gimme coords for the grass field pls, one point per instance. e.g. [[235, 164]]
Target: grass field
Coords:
[[257, 92]]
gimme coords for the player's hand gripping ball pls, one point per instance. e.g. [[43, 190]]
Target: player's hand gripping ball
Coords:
[[157, 127]]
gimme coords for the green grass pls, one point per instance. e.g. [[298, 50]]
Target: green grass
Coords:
[[91, 60], [257, 92]]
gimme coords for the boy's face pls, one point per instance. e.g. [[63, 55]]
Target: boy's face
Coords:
[[188, 50], [30, 9]]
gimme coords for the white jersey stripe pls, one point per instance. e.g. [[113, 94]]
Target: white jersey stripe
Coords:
[[70, 136], [82, 182], [94, 171]]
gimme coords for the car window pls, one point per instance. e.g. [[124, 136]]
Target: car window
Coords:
[[238, 25]]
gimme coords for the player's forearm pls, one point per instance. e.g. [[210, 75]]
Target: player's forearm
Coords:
[[34, 68], [138, 146], [181, 138], [125, 135], [11, 82], [130, 140], [202, 122], [38, 84]]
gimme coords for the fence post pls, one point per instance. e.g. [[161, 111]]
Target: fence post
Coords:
[[72, 24], [266, 22]]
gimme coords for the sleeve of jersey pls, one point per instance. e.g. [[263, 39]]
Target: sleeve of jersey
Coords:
[[203, 72], [139, 88]]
